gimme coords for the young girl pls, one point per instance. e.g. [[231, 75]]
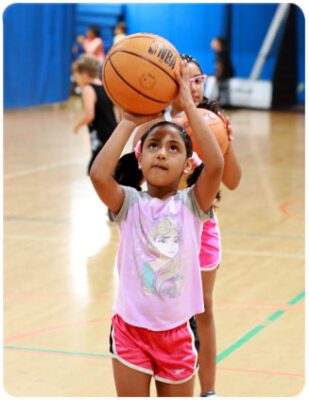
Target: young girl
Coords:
[[210, 254], [92, 43], [99, 112], [159, 280]]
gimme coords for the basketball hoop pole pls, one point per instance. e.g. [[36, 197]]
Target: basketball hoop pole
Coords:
[[278, 19], [254, 92]]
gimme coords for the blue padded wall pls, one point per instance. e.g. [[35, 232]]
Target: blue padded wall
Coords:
[[189, 27], [38, 40], [37, 53], [105, 16]]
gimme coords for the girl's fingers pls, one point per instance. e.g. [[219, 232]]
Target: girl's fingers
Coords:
[[227, 123], [177, 76], [222, 117]]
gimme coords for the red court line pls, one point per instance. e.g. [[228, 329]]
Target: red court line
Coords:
[[263, 372], [284, 209], [52, 328], [108, 357], [49, 296]]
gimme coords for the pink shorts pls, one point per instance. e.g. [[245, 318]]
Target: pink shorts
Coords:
[[210, 253], [170, 356]]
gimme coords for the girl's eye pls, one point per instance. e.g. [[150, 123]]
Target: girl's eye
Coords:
[[152, 146], [174, 149]]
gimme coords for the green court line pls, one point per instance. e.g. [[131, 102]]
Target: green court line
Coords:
[[220, 357], [73, 353], [257, 329], [297, 298]]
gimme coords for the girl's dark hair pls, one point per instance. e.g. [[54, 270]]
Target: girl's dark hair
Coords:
[[213, 106], [184, 134], [194, 177], [127, 172], [224, 42], [95, 30]]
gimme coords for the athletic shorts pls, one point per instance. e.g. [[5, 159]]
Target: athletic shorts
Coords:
[[210, 253], [169, 356]]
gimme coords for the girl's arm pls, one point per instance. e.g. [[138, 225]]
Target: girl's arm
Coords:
[[232, 171], [209, 181], [102, 170], [89, 99], [98, 46]]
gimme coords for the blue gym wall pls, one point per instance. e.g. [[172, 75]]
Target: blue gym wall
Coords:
[[37, 53], [189, 27], [38, 40]]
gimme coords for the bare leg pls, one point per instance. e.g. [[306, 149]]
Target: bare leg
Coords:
[[175, 390], [129, 382], [207, 335]]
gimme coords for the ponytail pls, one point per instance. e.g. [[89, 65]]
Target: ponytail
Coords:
[[127, 172], [207, 104], [194, 177]]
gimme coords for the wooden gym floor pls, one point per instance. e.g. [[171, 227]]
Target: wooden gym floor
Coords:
[[59, 258]]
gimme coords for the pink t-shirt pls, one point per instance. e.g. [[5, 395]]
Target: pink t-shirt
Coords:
[[158, 259], [94, 47]]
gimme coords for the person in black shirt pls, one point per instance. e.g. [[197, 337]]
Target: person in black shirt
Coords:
[[98, 109], [224, 68]]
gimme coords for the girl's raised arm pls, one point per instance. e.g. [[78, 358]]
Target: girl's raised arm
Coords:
[[102, 170], [209, 181]]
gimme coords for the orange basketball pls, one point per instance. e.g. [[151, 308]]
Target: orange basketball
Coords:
[[139, 73], [214, 122]]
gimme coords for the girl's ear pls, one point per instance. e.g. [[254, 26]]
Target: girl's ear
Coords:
[[188, 167], [139, 161]]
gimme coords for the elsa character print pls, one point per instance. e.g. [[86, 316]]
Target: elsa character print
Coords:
[[159, 275]]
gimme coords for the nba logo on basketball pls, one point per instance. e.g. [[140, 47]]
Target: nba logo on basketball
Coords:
[[163, 53]]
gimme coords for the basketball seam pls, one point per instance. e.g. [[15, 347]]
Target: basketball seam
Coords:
[[146, 59], [147, 36], [132, 87]]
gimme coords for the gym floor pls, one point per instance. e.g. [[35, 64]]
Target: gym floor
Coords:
[[59, 260]]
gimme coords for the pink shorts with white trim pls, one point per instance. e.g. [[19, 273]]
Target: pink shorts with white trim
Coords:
[[210, 253], [170, 356]]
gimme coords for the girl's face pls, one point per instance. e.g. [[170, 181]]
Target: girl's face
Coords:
[[196, 85], [164, 157], [90, 34]]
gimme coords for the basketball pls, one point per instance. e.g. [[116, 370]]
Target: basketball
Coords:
[[139, 73], [214, 122]]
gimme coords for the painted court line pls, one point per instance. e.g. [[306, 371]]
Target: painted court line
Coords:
[[41, 168], [52, 328], [53, 351], [263, 254], [220, 357], [257, 329], [108, 356], [262, 372], [262, 235]]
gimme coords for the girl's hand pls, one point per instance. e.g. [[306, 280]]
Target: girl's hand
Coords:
[[138, 119], [228, 126], [184, 95], [80, 39]]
